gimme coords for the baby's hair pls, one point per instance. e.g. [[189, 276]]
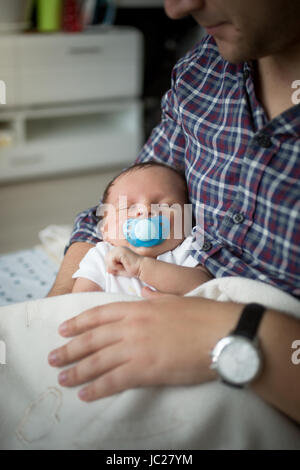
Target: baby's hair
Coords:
[[144, 165]]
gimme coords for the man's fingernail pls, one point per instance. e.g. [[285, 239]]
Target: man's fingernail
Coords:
[[83, 393], [63, 328], [63, 377], [53, 358]]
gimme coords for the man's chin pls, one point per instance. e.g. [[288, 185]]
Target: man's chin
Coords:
[[229, 52], [233, 51]]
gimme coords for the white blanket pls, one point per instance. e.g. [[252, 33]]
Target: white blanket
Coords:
[[36, 413]]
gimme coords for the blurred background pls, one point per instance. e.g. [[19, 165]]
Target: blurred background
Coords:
[[83, 81]]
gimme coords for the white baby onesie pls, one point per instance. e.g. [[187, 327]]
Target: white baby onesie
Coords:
[[93, 267]]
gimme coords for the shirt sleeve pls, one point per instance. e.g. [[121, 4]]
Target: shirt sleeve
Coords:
[[166, 143], [85, 228], [92, 266]]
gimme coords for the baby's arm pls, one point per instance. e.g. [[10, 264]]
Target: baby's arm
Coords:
[[171, 278], [165, 277], [83, 284]]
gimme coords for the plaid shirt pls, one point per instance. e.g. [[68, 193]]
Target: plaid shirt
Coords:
[[243, 169]]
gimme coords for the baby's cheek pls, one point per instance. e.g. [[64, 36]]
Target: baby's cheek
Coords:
[[114, 231], [176, 225], [120, 224], [110, 230]]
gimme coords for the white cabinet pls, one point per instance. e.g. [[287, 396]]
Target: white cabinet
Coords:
[[69, 138], [72, 102]]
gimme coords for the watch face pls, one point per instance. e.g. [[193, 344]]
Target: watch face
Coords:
[[239, 360]]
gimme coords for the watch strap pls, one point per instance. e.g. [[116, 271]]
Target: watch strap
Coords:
[[249, 321]]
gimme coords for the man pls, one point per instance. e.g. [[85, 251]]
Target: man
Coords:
[[230, 123]]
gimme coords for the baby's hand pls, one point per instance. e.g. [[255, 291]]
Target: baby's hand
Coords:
[[122, 261]]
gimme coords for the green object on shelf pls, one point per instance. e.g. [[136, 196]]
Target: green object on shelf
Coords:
[[49, 15]]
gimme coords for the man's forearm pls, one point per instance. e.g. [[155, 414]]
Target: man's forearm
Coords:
[[279, 382], [64, 283], [170, 278]]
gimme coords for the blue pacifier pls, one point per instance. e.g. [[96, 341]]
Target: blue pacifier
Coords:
[[146, 232]]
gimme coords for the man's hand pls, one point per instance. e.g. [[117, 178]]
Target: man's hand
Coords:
[[165, 340], [122, 261]]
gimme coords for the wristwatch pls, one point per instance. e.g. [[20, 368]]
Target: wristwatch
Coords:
[[237, 357]]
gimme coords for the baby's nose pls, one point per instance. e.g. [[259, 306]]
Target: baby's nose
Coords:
[[146, 210]]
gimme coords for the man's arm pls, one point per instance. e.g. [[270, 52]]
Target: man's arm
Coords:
[[64, 283]]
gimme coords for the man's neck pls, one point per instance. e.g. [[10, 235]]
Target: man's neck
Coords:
[[274, 77]]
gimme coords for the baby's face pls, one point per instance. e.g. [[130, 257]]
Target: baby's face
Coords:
[[142, 193]]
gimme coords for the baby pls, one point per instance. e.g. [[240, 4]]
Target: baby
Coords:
[[143, 245]]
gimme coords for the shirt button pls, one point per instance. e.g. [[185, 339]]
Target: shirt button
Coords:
[[264, 140], [206, 246], [238, 218]]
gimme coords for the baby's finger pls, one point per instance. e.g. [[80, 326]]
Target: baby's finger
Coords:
[[112, 260]]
